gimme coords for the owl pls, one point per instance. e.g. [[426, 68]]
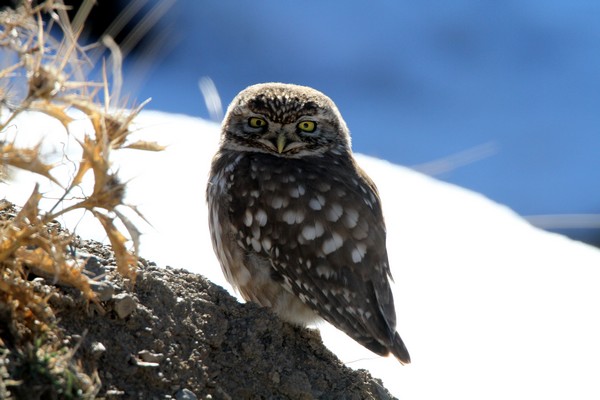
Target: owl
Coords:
[[296, 224]]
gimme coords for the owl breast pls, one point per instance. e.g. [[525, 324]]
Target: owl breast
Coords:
[[296, 233]]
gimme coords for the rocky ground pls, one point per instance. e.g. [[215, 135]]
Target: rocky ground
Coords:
[[177, 335]]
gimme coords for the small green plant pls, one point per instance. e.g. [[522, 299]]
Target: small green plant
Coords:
[[50, 372]]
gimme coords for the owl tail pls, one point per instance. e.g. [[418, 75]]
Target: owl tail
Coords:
[[399, 350]]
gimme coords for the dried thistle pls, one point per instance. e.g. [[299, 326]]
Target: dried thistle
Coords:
[[48, 76], [40, 74]]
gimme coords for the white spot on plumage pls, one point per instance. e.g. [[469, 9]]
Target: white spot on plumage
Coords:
[[348, 295], [334, 212], [325, 271], [332, 244], [277, 202], [293, 216], [317, 202], [359, 252], [314, 204], [261, 217], [297, 191], [248, 218], [361, 231], [310, 232], [234, 164], [303, 298], [294, 193], [287, 283], [266, 244], [350, 218], [256, 245]]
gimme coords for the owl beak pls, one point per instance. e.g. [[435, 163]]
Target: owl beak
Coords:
[[281, 142]]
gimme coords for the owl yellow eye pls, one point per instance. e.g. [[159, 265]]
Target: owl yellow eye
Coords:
[[256, 122], [307, 126]]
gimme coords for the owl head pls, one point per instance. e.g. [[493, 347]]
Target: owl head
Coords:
[[284, 120]]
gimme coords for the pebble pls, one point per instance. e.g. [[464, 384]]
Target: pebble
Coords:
[[144, 364], [93, 263], [275, 377], [97, 350], [185, 394], [148, 356], [124, 305], [104, 290]]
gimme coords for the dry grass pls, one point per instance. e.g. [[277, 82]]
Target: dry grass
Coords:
[[48, 76]]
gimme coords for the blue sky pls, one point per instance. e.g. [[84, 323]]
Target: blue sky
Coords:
[[416, 82]]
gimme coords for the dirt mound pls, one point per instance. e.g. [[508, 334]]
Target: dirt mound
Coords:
[[177, 335]]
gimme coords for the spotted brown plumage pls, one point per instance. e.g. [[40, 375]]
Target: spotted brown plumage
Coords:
[[296, 225]]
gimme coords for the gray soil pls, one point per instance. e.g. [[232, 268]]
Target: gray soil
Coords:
[[177, 335]]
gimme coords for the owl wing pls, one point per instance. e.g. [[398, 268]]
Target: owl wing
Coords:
[[323, 232]]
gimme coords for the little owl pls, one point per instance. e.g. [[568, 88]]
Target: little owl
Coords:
[[296, 224]]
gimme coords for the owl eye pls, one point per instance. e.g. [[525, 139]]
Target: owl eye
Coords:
[[307, 126], [257, 122]]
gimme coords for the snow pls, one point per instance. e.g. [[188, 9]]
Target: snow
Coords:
[[489, 306]]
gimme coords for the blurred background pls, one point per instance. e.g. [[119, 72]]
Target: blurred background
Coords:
[[499, 97]]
